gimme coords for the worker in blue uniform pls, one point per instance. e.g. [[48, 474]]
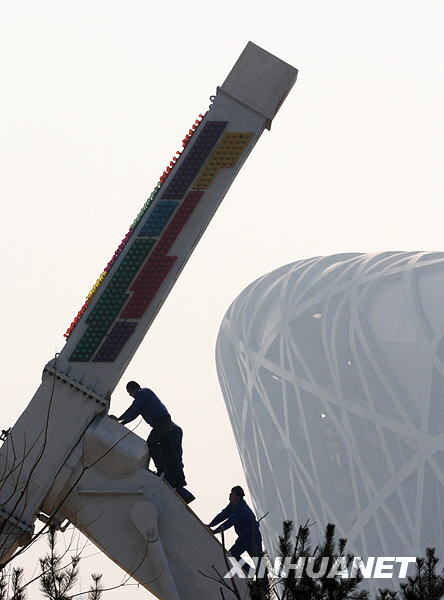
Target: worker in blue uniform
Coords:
[[165, 439], [240, 516]]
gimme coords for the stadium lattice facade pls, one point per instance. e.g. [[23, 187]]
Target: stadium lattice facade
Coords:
[[332, 370]]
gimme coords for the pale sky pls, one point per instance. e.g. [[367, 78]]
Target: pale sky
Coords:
[[96, 97]]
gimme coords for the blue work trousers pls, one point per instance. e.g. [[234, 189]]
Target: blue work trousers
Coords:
[[165, 446], [244, 544]]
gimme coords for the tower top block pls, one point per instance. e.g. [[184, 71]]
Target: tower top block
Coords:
[[260, 80]]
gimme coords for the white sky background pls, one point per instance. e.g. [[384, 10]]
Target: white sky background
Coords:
[[95, 99]]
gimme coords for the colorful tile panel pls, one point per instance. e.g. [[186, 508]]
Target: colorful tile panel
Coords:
[[159, 264], [146, 285], [147, 263], [225, 156], [115, 341], [112, 300], [195, 159], [136, 221], [159, 217]]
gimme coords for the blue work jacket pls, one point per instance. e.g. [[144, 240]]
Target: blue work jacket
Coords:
[[147, 405], [242, 518]]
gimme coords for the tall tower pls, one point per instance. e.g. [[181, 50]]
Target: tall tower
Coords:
[[65, 459]]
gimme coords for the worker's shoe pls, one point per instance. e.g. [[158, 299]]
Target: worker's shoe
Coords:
[[186, 495]]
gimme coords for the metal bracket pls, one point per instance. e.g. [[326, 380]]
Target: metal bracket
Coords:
[[220, 90], [77, 385], [152, 534], [4, 435], [116, 492], [21, 524], [52, 522]]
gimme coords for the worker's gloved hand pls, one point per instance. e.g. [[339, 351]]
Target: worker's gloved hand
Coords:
[[113, 417]]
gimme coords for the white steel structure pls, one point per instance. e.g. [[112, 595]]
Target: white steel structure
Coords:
[[332, 370], [65, 459]]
